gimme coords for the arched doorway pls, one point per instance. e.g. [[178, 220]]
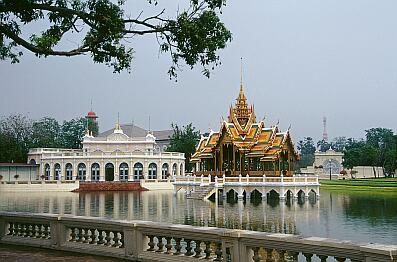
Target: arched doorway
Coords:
[[164, 171], [95, 172], [68, 171], [109, 172], [138, 171], [47, 171], [123, 171], [57, 171], [81, 172], [152, 171]]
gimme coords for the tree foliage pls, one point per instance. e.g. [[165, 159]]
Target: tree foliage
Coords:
[[184, 140], [18, 134], [306, 148], [378, 149], [103, 31]]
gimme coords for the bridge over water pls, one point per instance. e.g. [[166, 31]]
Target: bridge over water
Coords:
[[203, 187]]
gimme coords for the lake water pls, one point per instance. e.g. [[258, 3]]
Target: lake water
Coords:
[[356, 216]]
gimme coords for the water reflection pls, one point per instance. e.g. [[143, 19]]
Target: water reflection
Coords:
[[359, 217]]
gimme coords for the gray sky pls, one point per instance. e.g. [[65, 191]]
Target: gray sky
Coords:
[[302, 60]]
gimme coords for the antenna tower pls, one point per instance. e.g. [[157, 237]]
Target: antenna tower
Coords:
[[325, 134]]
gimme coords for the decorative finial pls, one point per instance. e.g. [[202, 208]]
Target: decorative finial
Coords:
[[118, 121], [241, 73]]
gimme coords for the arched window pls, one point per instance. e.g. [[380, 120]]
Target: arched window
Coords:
[[174, 169], [164, 171], [81, 172], [69, 171], [181, 170], [95, 172], [123, 172], [47, 172], [57, 171], [138, 171], [152, 171]]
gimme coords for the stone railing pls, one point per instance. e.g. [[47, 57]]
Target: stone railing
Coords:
[[62, 154], [224, 180], [151, 241]]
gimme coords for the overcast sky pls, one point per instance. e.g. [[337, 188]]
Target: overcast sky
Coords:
[[303, 59]]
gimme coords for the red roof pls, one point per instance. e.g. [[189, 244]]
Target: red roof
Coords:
[[91, 114]]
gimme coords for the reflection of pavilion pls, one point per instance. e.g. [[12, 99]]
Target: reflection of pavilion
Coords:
[[245, 156]]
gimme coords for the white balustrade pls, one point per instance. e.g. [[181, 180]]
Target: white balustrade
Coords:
[[152, 241]]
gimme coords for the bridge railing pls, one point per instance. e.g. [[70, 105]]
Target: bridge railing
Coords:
[[152, 241], [195, 180]]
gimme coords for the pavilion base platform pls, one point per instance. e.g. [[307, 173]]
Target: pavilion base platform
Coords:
[[245, 186]]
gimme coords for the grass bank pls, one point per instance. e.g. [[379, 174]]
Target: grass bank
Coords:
[[365, 184]]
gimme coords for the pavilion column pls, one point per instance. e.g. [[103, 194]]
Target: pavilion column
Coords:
[[215, 159], [88, 171], [241, 164], [131, 171], [274, 168], [279, 166], [248, 160], [102, 171], [221, 158], [234, 161], [75, 170], [116, 171], [51, 171]]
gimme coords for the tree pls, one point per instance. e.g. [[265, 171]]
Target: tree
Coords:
[[46, 132], [185, 141], [306, 148], [339, 143], [102, 29], [323, 145], [72, 133], [15, 131]]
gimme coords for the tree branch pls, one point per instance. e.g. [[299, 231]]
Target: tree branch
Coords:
[[78, 51]]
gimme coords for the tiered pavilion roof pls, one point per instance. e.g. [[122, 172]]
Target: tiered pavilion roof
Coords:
[[243, 144]]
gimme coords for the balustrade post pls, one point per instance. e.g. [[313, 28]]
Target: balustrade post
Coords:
[[247, 177], [202, 179], [3, 228], [305, 179], [216, 181], [239, 178], [264, 178], [131, 242]]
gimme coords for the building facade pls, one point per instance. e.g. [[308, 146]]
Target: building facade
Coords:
[[245, 146], [112, 157]]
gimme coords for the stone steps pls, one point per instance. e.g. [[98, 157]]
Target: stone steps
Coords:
[[200, 192]]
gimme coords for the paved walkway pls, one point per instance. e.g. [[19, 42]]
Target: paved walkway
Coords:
[[11, 253]]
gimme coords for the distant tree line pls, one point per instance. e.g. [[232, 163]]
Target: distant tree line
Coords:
[[379, 148], [18, 133]]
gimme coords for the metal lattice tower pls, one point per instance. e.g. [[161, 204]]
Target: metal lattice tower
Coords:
[[325, 134]]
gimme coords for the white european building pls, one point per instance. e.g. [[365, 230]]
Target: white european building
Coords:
[[115, 157]]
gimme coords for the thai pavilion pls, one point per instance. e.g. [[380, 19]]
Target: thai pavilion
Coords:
[[245, 146]]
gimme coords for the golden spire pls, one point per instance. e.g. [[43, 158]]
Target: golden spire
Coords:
[[241, 95]]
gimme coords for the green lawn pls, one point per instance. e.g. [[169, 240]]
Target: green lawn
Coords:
[[384, 184]]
